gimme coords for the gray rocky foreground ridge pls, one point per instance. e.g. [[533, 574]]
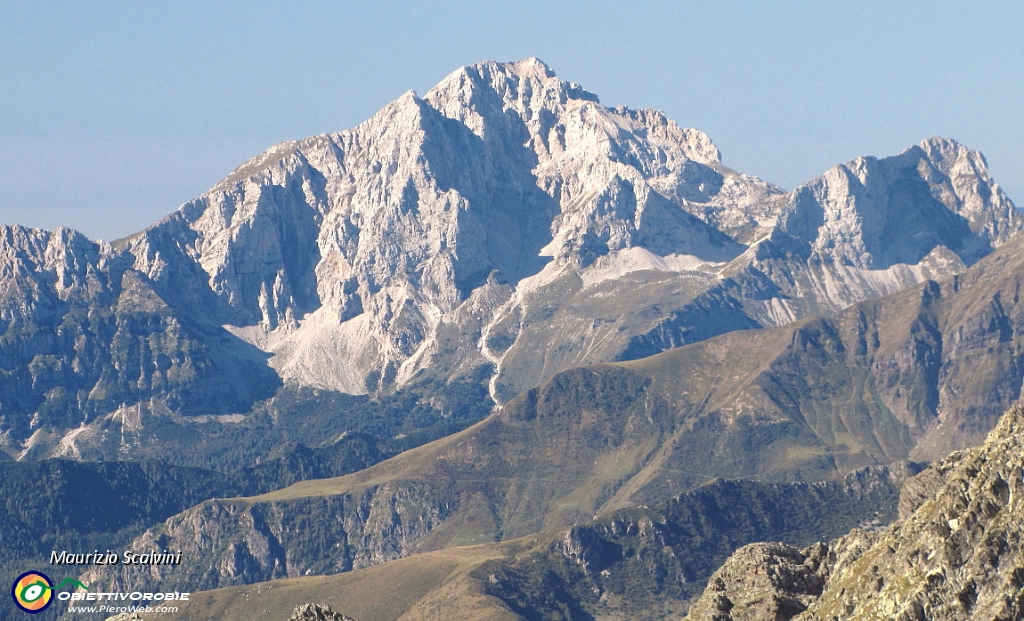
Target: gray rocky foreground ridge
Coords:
[[958, 555]]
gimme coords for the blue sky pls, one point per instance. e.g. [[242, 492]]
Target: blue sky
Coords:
[[114, 113]]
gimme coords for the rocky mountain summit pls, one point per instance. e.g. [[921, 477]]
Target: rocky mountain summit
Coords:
[[502, 228], [363, 258], [958, 555]]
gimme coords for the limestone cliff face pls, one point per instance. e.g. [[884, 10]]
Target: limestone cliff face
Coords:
[[82, 334], [506, 196], [505, 225], [348, 254], [873, 213], [872, 227], [958, 555]]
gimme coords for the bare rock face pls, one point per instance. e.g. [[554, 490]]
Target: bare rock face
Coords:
[[361, 259], [504, 226], [762, 581], [348, 255], [959, 555], [874, 213], [82, 335], [921, 488]]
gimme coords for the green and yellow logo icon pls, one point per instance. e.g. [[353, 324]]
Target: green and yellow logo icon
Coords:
[[32, 591]]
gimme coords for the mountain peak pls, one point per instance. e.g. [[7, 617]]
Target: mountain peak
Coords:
[[950, 158], [528, 84], [941, 148], [357, 259], [531, 67], [868, 214]]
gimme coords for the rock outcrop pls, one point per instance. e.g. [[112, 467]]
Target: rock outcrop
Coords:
[[677, 541], [959, 555], [760, 581], [317, 612]]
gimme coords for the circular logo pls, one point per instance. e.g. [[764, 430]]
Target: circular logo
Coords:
[[32, 591]]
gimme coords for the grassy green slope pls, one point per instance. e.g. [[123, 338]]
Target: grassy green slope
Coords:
[[437, 585], [633, 563]]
